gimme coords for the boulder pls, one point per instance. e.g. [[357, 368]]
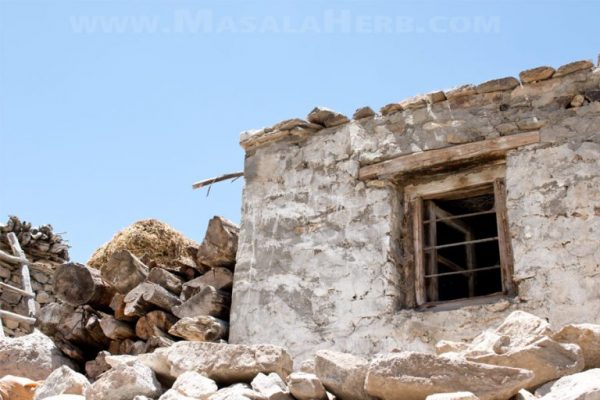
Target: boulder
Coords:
[[326, 117], [124, 382], [190, 386], [67, 397], [414, 376], [536, 74], [523, 328], [586, 336], [32, 356], [581, 386], [342, 374], [17, 388], [453, 396], [94, 368], [524, 395], [271, 387], [62, 381], [305, 386], [203, 328], [496, 85], [546, 358], [238, 391], [225, 363]]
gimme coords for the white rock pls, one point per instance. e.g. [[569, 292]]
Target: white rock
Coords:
[[271, 387], [191, 385], [453, 396], [124, 382], [225, 363], [581, 386], [239, 391], [587, 336], [17, 388], [66, 397], [524, 395], [546, 358], [305, 386], [342, 374], [414, 376], [523, 328], [62, 381], [33, 356]]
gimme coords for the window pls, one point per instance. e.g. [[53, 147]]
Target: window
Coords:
[[460, 240]]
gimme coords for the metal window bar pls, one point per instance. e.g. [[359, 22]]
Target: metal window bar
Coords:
[[443, 246], [473, 214], [469, 271]]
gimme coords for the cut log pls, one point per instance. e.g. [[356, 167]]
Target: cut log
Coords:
[[201, 329], [77, 329], [124, 271], [208, 301], [147, 325], [135, 305], [77, 284], [115, 329], [220, 278], [220, 244], [184, 271], [118, 306], [164, 278], [160, 297]]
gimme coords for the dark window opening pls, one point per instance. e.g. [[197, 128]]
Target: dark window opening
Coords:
[[461, 253]]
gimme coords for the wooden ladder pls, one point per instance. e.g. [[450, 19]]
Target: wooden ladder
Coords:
[[26, 292]]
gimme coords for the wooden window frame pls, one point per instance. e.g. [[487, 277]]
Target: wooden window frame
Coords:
[[461, 184]]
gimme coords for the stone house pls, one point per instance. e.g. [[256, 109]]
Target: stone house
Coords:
[[433, 219]]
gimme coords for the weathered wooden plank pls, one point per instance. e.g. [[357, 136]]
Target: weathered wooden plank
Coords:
[[418, 237], [447, 156], [22, 292], [432, 265], [25, 278], [474, 178], [17, 317], [504, 238]]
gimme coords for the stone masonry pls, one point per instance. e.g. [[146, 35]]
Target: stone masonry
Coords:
[[320, 259]]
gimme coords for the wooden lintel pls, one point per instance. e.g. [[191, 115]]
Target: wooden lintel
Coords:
[[431, 159]]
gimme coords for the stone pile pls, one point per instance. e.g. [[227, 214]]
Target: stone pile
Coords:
[[44, 250], [38, 243], [522, 359], [137, 300]]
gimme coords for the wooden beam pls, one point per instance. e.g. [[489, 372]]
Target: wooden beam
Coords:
[[22, 292], [11, 259], [17, 317], [472, 179], [432, 264], [207, 182], [504, 238], [489, 148], [418, 239]]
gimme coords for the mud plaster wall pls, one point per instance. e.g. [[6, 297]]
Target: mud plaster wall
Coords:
[[318, 264]]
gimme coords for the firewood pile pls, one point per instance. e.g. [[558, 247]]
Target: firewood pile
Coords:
[[39, 243], [138, 299]]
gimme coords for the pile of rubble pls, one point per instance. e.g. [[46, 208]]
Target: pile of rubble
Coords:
[[44, 249], [39, 243], [147, 288], [522, 359]]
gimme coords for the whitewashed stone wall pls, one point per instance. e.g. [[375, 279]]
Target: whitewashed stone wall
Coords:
[[319, 263]]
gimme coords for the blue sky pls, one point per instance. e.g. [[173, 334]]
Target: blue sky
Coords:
[[110, 110]]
